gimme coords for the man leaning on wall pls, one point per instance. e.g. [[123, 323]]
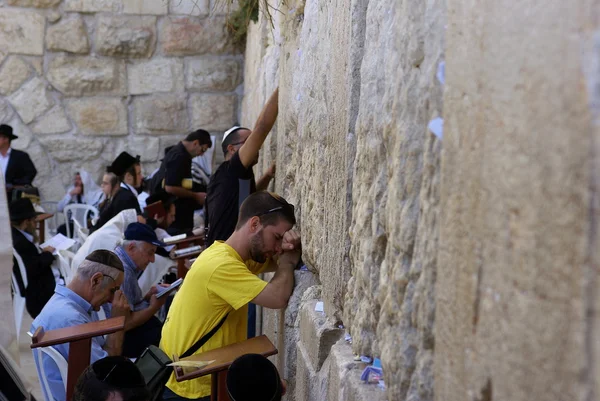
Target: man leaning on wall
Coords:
[[223, 280]]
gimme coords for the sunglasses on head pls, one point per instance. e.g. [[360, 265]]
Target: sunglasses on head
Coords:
[[284, 206]]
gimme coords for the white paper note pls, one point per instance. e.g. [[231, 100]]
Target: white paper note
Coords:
[[59, 242], [436, 126]]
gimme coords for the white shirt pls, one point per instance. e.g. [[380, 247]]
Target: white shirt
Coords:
[[4, 161], [135, 192]]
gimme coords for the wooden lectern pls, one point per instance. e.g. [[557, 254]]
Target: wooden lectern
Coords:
[[80, 344], [223, 358], [185, 243]]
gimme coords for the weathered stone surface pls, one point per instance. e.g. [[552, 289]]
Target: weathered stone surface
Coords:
[[26, 138], [86, 76], [150, 7], [147, 148], [37, 63], [68, 35], [160, 114], [317, 334], [22, 31], [213, 112], [34, 3], [53, 122], [125, 36], [70, 149], [6, 112], [53, 15], [31, 100], [92, 6], [197, 8], [192, 36], [99, 116], [213, 74], [13, 73], [156, 75]]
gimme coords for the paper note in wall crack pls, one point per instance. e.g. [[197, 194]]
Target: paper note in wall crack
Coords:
[[436, 126], [441, 72]]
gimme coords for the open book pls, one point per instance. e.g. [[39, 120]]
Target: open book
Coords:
[[59, 242]]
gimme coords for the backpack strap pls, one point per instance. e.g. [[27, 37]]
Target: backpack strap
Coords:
[[198, 344]]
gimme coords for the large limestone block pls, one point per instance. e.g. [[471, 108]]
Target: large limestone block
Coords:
[[99, 116], [197, 8], [147, 148], [68, 35], [518, 281], [13, 73], [53, 122], [31, 100], [213, 112], [156, 75], [72, 149], [87, 76], [92, 6], [22, 31], [149, 7], [160, 114], [212, 73], [34, 3], [317, 334], [183, 36], [125, 36], [6, 112]]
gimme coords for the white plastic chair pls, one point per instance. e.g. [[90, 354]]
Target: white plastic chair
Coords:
[[56, 220], [39, 364], [80, 213], [18, 298]]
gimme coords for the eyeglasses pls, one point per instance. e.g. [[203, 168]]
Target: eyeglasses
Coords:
[[114, 289]]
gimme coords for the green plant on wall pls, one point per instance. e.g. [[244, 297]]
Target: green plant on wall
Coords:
[[239, 18]]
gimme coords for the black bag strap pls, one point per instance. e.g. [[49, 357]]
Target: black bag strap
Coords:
[[204, 339]]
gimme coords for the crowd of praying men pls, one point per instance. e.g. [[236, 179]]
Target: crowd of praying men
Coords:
[[248, 231]]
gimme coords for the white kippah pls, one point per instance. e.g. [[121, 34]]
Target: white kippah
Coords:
[[229, 131]]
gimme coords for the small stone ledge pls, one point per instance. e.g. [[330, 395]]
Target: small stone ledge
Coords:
[[317, 334]]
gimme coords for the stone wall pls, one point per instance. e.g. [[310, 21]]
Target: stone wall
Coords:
[[83, 80], [355, 156]]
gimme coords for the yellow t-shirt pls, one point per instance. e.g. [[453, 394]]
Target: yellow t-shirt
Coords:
[[218, 282]]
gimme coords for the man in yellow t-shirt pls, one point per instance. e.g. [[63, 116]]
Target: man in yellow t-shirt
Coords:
[[223, 280]]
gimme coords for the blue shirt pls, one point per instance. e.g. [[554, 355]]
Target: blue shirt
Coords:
[[65, 309]]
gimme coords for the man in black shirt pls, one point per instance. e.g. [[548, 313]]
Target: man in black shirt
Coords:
[[127, 168], [241, 149], [176, 172], [16, 165]]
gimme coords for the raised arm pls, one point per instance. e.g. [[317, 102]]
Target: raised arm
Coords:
[[249, 150]]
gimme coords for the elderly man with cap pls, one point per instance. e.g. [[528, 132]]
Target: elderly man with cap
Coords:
[[129, 172], [136, 252], [17, 167], [96, 282], [175, 167], [38, 263], [234, 179]]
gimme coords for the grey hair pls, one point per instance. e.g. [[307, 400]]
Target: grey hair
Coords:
[[87, 269], [124, 243]]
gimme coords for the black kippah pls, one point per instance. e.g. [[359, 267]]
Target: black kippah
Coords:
[[253, 377], [119, 372]]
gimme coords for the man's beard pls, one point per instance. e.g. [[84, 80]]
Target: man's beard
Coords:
[[256, 248], [31, 229]]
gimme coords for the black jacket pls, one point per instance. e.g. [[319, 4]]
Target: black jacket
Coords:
[[20, 169], [40, 280], [124, 199]]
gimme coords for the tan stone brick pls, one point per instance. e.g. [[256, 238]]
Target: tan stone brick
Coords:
[[148, 7], [34, 3], [160, 114], [156, 75], [68, 35], [70, 149], [193, 36], [53, 122], [213, 112], [125, 36], [31, 100], [85, 76], [213, 73], [13, 73], [92, 6], [197, 8], [99, 116], [22, 31]]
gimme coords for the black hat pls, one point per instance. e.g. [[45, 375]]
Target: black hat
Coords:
[[253, 377], [119, 372], [120, 165], [7, 131], [22, 209]]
